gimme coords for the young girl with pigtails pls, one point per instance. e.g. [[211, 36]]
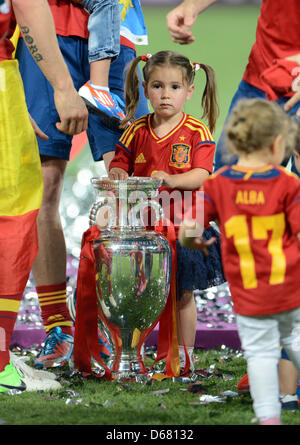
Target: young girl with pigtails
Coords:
[[171, 145]]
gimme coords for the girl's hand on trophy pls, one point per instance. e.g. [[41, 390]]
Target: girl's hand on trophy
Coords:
[[117, 173], [168, 180]]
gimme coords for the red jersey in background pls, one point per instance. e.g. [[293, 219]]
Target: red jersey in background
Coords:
[[259, 215], [140, 152], [7, 26], [277, 36], [70, 19]]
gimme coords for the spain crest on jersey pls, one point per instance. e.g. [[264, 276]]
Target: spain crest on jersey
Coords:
[[180, 156]]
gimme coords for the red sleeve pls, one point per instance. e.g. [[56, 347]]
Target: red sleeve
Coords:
[[4, 23], [7, 27], [203, 156], [123, 159]]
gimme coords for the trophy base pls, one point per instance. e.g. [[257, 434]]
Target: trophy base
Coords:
[[125, 367]]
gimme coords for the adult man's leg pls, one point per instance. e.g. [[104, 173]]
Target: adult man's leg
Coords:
[[49, 269]]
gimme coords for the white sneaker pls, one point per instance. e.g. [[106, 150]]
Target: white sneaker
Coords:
[[289, 402], [34, 379]]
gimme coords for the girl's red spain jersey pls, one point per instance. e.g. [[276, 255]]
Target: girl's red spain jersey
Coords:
[[140, 152], [259, 215]]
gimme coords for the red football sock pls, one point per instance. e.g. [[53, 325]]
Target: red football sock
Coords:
[[9, 307], [52, 299]]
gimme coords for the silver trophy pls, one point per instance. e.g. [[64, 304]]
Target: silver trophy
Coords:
[[133, 267]]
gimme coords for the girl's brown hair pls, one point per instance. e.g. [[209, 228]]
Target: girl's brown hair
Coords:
[[209, 96], [254, 124]]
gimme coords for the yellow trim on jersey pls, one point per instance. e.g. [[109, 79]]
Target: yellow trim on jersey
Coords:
[[248, 175], [140, 119], [9, 305], [200, 130], [14, 39], [58, 292], [289, 173], [217, 173], [56, 297], [195, 121], [55, 302], [249, 171], [159, 140], [58, 323], [131, 130], [131, 136], [253, 170]]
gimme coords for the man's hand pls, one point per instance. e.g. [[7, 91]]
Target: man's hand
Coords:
[[38, 132], [296, 87], [72, 111], [36, 23], [181, 19], [293, 101], [179, 23]]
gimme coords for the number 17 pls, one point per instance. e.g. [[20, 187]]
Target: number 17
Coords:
[[237, 228]]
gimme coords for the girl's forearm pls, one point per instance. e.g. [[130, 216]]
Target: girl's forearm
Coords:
[[190, 180]]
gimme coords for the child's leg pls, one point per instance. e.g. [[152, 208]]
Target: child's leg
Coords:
[[104, 28], [289, 324], [99, 72], [104, 38], [104, 46], [187, 325], [260, 341], [288, 377]]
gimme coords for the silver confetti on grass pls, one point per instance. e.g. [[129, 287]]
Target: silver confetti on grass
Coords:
[[205, 399], [214, 306]]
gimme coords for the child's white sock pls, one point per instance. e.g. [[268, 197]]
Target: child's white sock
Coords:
[[182, 357], [99, 87]]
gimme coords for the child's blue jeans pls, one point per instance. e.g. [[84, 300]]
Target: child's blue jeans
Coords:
[[104, 27]]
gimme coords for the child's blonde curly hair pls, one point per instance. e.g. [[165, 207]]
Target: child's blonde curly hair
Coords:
[[254, 124]]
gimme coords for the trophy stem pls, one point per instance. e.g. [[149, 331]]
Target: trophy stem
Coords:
[[124, 366], [125, 363]]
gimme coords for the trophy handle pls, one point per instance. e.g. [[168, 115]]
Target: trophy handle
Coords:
[[103, 202], [158, 209]]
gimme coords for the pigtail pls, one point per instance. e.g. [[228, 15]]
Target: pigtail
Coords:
[[132, 92], [209, 98]]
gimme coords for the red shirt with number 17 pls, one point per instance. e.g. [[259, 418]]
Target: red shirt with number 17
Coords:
[[259, 215]]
